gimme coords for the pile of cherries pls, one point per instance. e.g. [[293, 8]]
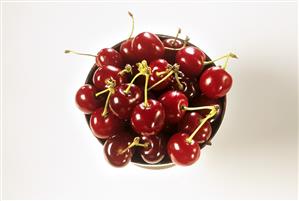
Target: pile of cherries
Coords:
[[153, 98]]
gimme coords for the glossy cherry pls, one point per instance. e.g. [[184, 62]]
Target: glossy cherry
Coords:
[[126, 51], [86, 100], [147, 46], [171, 45], [154, 152], [104, 126], [190, 85], [122, 103], [148, 120], [106, 72], [173, 102], [191, 60], [215, 82], [158, 66], [109, 56], [181, 151], [114, 147], [190, 122]]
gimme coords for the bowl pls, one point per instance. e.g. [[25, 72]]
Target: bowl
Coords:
[[166, 162]]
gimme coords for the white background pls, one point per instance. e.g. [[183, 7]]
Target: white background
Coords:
[[48, 151]]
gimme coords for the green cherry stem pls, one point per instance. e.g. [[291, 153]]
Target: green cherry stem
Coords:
[[110, 85], [227, 57], [136, 142], [133, 22], [176, 36], [171, 70], [127, 69], [199, 108], [78, 53], [212, 113]]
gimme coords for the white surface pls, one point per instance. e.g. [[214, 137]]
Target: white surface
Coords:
[[48, 150]]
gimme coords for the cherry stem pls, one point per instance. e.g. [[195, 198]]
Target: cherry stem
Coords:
[[198, 108], [127, 69], [135, 143], [227, 57], [177, 78], [110, 85], [212, 113], [184, 45], [162, 80], [78, 53], [102, 92], [133, 22], [176, 37]]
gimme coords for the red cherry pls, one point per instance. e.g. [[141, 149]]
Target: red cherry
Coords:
[[104, 126], [154, 152], [181, 151], [148, 120], [126, 51], [109, 56], [147, 46], [169, 54], [114, 146], [106, 72], [190, 122], [215, 82], [190, 85], [157, 66], [122, 104], [202, 100], [86, 100], [173, 102], [191, 60]]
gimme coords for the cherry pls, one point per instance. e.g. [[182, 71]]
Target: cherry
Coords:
[[86, 100], [148, 119], [106, 72], [147, 46], [115, 149], [190, 122], [122, 103], [126, 51], [182, 152], [191, 60], [171, 45], [158, 66], [173, 102], [190, 86], [106, 56], [109, 56], [202, 100], [154, 152], [104, 125], [215, 82], [182, 148]]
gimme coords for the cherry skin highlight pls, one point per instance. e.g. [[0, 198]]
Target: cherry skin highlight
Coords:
[[104, 126], [182, 152], [126, 51], [154, 152], [109, 56], [148, 120], [86, 100], [215, 82], [191, 61]]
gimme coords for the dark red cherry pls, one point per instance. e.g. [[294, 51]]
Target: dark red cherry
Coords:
[[190, 122], [215, 82], [157, 66], [155, 150], [202, 100], [126, 51], [191, 60], [122, 104], [190, 85], [147, 46], [148, 120], [104, 126], [114, 146], [86, 100], [106, 72], [169, 54], [173, 102], [109, 56], [181, 151]]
